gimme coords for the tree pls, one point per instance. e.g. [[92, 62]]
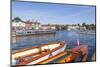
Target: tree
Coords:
[[17, 19], [92, 26], [83, 24], [57, 27], [78, 24]]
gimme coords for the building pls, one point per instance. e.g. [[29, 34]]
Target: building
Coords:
[[52, 27], [28, 25], [82, 28], [45, 27], [48, 27], [25, 25], [18, 25], [73, 27], [36, 25]]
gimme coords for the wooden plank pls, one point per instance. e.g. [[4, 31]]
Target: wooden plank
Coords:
[[53, 58]]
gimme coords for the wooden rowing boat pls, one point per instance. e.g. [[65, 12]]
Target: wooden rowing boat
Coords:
[[79, 51], [38, 54]]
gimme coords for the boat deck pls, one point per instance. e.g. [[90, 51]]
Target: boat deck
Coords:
[[52, 58]]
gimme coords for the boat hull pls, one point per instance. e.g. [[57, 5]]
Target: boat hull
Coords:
[[60, 47], [47, 56]]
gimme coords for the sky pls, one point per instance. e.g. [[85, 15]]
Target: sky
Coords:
[[47, 13]]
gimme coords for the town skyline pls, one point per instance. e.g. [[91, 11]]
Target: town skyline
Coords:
[[33, 20], [53, 13]]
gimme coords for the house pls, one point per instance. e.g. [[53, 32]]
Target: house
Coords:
[[73, 27], [48, 27], [18, 25], [53, 27], [45, 27], [28, 25], [82, 28], [36, 25]]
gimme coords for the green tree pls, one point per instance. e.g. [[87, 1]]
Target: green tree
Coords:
[[83, 24], [57, 27], [17, 19], [78, 24]]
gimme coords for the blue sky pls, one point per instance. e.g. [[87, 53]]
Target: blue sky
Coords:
[[53, 13]]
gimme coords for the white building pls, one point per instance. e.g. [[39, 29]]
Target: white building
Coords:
[[20, 25], [53, 27], [36, 25], [70, 27], [45, 27], [48, 27]]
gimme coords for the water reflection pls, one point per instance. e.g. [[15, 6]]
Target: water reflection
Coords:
[[20, 42]]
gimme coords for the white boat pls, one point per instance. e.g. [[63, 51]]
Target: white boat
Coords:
[[33, 32], [36, 54], [89, 32]]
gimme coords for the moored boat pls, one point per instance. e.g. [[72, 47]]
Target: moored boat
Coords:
[[37, 54], [79, 53], [32, 32]]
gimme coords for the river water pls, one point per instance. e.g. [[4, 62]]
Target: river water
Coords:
[[71, 37]]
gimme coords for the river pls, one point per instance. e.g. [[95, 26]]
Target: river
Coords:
[[71, 37]]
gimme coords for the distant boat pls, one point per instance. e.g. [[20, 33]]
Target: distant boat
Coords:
[[87, 32], [37, 54]]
